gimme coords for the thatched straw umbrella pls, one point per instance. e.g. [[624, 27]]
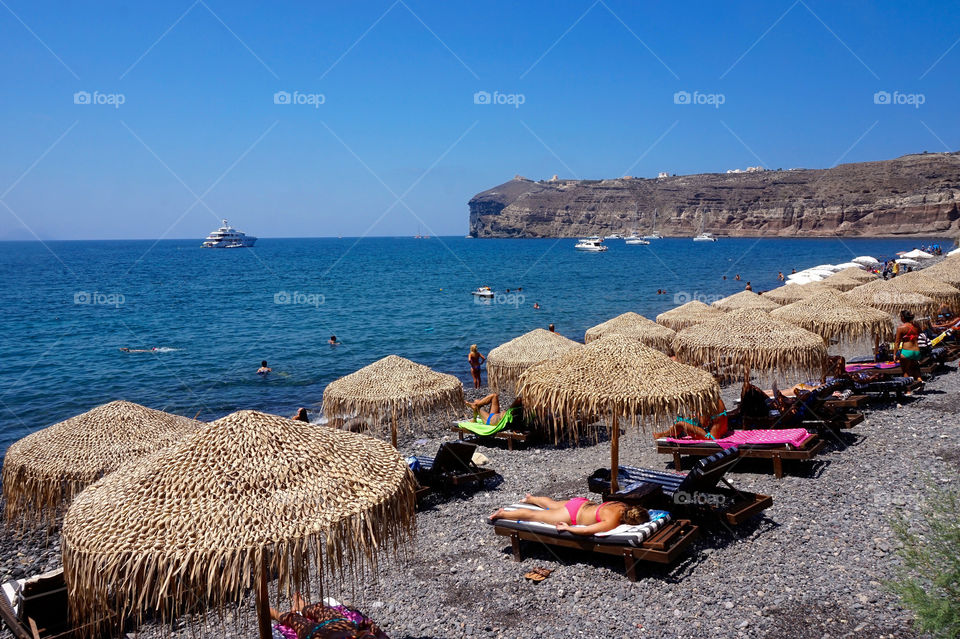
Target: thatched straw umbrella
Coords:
[[833, 316], [947, 271], [790, 293], [893, 301], [245, 497], [392, 387], [849, 279], [917, 282], [506, 362], [745, 300], [751, 339], [45, 470], [618, 377], [689, 314], [634, 326]]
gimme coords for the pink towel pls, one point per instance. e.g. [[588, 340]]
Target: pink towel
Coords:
[[793, 436], [853, 368]]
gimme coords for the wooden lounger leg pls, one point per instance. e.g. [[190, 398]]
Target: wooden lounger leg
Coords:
[[630, 565], [509, 443], [676, 460], [515, 544], [777, 466]]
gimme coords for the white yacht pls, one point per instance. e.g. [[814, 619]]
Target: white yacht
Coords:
[[591, 244], [228, 237], [634, 240], [614, 236], [705, 237], [653, 231], [483, 291]]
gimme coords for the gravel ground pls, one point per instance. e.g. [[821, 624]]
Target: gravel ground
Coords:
[[813, 565]]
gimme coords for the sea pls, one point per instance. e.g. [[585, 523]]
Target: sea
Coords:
[[207, 317]]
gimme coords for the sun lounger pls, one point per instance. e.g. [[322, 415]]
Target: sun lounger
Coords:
[[815, 409], [509, 428], [776, 445], [453, 467], [36, 608], [695, 494], [661, 540]]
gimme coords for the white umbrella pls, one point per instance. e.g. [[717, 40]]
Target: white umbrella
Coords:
[[847, 265], [908, 262], [917, 254], [866, 260], [955, 251]]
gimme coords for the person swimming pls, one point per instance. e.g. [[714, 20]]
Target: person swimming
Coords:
[[333, 341], [264, 370]]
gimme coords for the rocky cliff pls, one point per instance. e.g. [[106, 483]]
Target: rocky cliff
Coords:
[[914, 194]]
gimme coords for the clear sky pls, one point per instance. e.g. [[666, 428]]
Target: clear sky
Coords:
[[182, 125]]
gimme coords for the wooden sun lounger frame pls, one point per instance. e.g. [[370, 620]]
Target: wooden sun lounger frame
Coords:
[[28, 628], [777, 454], [663, 547], [509, 435], [468, 473]]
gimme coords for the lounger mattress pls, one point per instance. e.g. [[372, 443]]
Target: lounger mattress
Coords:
[[771, 438]]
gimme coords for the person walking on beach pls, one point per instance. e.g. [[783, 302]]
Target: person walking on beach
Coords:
[[476, 359], [264, 370], [906, 349]]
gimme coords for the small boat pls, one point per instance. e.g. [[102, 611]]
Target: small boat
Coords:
[[483, 291], [634, 240], [705, 237], [653, 231], [614, 236], [591, 244], [228, 237]]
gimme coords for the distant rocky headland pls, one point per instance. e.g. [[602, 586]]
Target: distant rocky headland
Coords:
[[911, 195]]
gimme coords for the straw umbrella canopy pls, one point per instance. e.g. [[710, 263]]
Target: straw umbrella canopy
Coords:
[[747, 339], [689, 314], [745, 300], [947, 271], [392, 387], [833, 316], [45, 470], [875, 294], [506, 362], [849, 279], [214, 515], [918, 282], [619, 377], [634, 326], [791, 293]]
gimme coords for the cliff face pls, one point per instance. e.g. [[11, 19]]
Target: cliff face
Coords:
[[914, 194]]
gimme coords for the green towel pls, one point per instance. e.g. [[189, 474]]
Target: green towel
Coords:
[[477, 425]]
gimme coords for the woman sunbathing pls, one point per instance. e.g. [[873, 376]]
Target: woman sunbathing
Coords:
[[322, 622], [494, 414], [698, 428], [578, 515]]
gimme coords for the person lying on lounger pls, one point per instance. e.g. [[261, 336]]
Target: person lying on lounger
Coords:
[[697, 428], [322, 622], [578, 515], [494, 415]]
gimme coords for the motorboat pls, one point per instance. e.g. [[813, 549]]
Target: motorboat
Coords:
[[653, 236], [705, 237], [634, 240], [614, 236], [228, 237], [591, 244], [483, 291]]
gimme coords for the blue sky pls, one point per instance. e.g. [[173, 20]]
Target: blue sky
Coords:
[[399, 141]]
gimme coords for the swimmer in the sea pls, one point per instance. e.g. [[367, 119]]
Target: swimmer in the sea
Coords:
[[333, 341], [264, 369]]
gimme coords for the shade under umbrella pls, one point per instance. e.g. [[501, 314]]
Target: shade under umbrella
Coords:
[[45, 470], [749, 339], [745, 300], [689, 314], [634, 326], [789, 293], [508, 361], [917, 282], [392, 388], [617, 377], [833, 316], [878, 295], [244, 497]]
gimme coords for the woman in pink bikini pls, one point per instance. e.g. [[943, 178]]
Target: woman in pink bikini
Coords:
[[578, 515]]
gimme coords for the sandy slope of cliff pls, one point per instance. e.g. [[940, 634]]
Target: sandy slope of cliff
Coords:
[[913, 194]]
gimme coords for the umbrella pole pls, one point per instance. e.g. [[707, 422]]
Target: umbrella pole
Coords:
[[614, 454], [393, 428], [263, 602]]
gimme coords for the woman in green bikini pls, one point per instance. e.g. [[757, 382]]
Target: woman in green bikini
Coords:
[[905, 347]]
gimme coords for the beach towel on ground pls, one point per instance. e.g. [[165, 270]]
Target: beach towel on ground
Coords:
[[478, 427], [796, 437]]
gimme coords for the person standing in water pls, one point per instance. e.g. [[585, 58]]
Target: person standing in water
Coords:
[[476, 359], [264, 369]]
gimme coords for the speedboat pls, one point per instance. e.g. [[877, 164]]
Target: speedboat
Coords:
[[705, 237], [615, 236], [634, 240], [591, 244], [483, 291], [228, 237]]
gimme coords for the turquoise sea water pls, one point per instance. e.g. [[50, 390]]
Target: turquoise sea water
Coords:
[[214, 314]]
